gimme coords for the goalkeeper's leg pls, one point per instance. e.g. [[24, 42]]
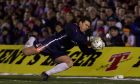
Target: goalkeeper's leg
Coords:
[[28, 48], [65, 63]]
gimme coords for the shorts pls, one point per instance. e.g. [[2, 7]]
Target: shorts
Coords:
[[53, 50]]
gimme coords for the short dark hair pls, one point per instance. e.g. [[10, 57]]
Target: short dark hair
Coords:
[[85, 18]]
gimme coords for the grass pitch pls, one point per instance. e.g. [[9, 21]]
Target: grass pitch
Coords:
[[20, 79]]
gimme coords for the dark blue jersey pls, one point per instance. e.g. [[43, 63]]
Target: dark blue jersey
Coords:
[[58, 44]]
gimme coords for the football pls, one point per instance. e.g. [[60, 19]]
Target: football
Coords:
[[97, 43]]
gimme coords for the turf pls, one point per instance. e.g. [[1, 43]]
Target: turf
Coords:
[[54, 80]]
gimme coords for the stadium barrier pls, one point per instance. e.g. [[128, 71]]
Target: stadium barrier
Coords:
[[107, 62]]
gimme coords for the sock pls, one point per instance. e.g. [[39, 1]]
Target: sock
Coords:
[[58, 68], [30, 42]]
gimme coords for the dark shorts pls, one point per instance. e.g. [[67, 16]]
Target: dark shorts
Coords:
[[53, 50]]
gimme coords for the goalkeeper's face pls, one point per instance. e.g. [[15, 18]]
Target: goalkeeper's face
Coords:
[[84, 26]]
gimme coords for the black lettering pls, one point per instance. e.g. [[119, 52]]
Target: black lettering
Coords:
[[35, 59], [48, 61], [21, 60], [12, 57], [2, 55], [2, 51], [5, 54], [75, 54], [92, 59], [137, 64], [68, 52], [80, 60]]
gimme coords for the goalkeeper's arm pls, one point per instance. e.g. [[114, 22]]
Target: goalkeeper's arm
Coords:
[[86, 50]]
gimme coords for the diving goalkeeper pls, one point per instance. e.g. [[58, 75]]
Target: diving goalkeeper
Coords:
[[57, 45]]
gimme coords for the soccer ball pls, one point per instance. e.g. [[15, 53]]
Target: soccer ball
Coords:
[[97, 43]]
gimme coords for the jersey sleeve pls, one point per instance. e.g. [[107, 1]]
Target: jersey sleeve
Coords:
[[75, 35], [86, 50]]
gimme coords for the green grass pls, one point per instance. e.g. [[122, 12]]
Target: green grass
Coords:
[[54, 80]]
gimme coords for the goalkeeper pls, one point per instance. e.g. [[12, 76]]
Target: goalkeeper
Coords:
[[57, 45]]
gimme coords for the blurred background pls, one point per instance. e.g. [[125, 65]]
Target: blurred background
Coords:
[[117, 22]]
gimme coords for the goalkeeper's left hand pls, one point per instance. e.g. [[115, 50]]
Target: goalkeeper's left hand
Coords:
[[96, 43]]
